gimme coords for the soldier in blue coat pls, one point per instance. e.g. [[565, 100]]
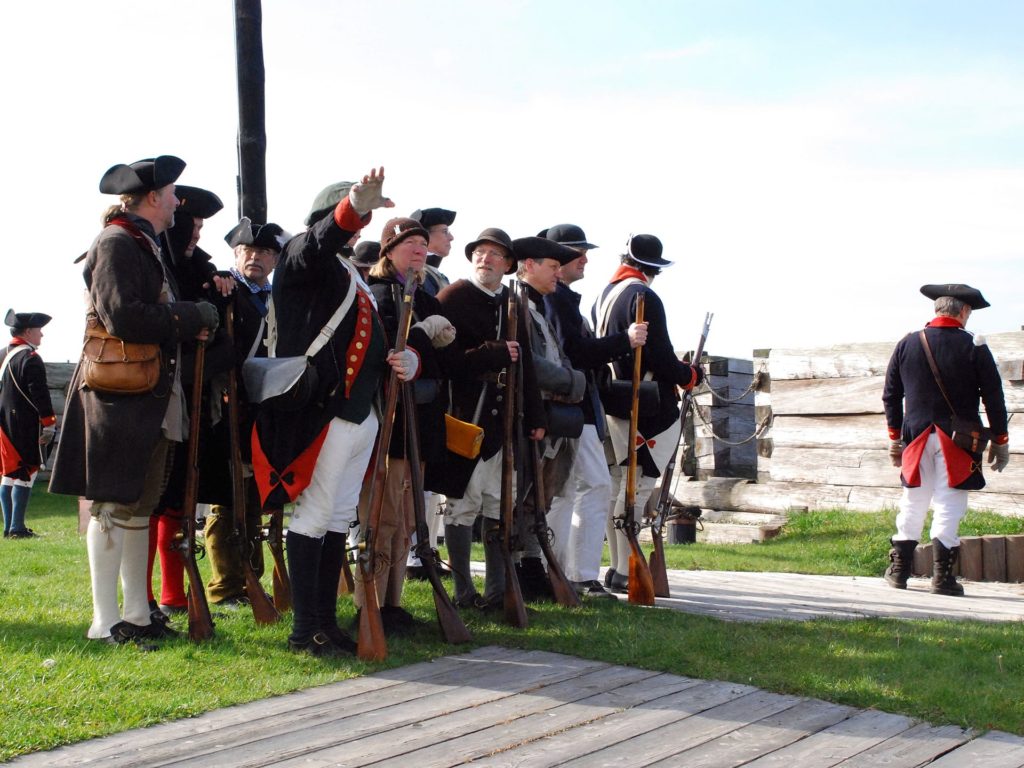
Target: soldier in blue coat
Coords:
[[920, 407]]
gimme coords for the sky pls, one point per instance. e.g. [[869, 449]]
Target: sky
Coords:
[[807, 165]]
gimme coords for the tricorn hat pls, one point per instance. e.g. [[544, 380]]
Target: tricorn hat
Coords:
[[399, 229], [430, 217], [646, 250], [568, 234], [367, 253], [142, 175], [257, 235], [197, 202], [539, 248], [970, 296], [326, 200], [498, 237], [23, 320]]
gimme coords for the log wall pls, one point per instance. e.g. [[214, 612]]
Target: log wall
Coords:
[[827, 444]]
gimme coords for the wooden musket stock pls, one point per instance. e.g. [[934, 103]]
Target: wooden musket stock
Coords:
[[200, 623]]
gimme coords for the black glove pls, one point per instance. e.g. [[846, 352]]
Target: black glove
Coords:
[[208, 316], [698, 373]]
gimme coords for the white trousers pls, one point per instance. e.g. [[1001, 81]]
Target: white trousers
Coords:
[[949, 505], [577, 519], [619, 551], [331, 500], [482, 495]]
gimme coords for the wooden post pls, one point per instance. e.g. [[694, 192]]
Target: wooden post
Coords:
[[252, 135], [971, 567], [923, 560], [993, 557], [1015, 559]]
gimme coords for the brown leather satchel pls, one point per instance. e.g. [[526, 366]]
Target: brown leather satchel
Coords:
[[115, 366]]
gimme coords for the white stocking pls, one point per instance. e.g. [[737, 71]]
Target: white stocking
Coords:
[[134, 572], [105, 548]]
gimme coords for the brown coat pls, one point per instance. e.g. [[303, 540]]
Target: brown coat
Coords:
[[125, 281]]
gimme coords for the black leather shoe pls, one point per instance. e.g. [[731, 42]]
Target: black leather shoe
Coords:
[[28, 533], [416, 573], [608, 578], [342, 639], [319, 645], [618, 583]]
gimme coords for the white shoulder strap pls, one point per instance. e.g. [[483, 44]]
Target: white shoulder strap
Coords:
[[605, 308], [10, 356]]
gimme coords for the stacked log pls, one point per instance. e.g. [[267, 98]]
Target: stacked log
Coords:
[[827, 446]]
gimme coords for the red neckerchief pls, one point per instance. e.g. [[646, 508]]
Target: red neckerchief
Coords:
[[625, 272], [945, 322], [17, 341], [137, 234]]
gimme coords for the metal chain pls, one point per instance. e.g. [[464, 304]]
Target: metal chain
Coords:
[[758, 431], [755, 383]]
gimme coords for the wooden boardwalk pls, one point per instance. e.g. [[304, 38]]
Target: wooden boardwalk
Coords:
[[499, 707]]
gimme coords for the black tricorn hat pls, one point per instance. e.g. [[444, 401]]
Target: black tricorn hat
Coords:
[[498, 237], [367, 253], [970, 296], [257, 235], [646, 250], [430, 217], [568, 234], [326, 200], [538, 248], [197, 202], [142, 175], [23, 320]]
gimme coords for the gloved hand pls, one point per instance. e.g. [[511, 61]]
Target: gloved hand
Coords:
[[896, 452], [208, 316], [368, 194], [637, 333], [47, 433], [698, 373], [998, 456], [405, 363], [438, 329]]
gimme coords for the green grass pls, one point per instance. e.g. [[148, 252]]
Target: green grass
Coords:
[[966, 673]]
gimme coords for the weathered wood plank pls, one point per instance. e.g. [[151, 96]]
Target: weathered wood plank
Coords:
[[690, 732], [993, 750], [576, 729], [993, 558], [1015, 558], [382, 712], [838, 742], [848, 431], [916, 746], [836, 466], [139, 746], [440, 731], [738, 747], [827, 396]]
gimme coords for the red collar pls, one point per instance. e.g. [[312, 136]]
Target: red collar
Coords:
[[945, 322], [625, 272], [17, 341]]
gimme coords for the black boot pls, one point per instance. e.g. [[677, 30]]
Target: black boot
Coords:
[[533, 580], [458, 538], [901, 562], [943, 580], [332, 555]]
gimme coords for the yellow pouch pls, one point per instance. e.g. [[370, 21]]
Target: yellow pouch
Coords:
[[463, 438]]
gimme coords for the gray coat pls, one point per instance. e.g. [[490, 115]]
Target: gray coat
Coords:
[[125, 282]]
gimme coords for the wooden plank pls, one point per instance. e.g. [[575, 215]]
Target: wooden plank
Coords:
[[916, 746], [1015, 558], [438, 731], [381, 712], [993, 558], [810, 397], [738, 747], [138, 746], [838, 742], [849, 431], [971, 567], [923, 560], [689, 732], [573, 730], [993, 750], [837, 361], [835, 466]]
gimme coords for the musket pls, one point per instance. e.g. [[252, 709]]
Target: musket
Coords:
[[263, 610], [641, 585], [515, 608], [371, 643], [452, 627], [563, 591], [275, 543], [346, 582], [200, 623], [659, 572]]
